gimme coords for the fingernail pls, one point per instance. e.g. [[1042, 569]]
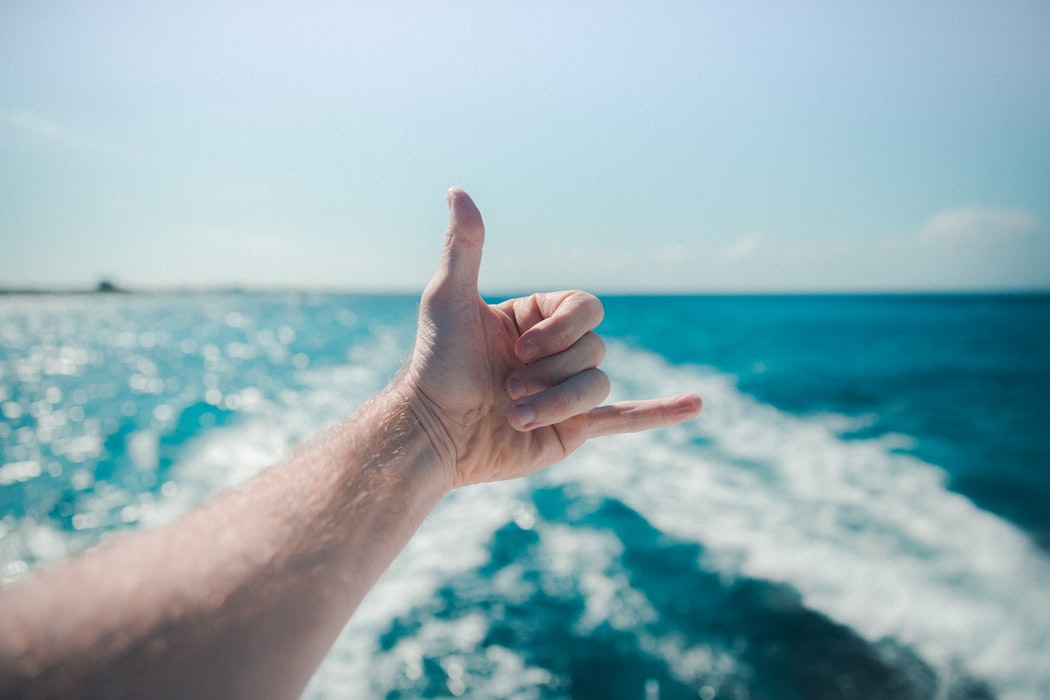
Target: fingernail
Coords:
[[688, 404], [522, 415], [515, 387], [528, 351]]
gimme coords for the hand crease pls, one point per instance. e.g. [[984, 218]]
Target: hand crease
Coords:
[[452, 449]]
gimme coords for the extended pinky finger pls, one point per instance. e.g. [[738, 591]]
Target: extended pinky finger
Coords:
[[636, 416]]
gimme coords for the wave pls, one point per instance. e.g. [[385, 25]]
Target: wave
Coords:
[[866, 534], [863, 533]]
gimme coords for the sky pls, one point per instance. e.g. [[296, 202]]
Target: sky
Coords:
[[611, 146]]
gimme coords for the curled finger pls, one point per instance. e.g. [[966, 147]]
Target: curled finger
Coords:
[[553, 322], [548, 372], [574, 396]]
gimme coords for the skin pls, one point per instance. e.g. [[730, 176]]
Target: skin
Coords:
[[244, 596]]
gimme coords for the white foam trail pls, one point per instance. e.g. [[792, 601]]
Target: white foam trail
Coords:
[[868, 536]]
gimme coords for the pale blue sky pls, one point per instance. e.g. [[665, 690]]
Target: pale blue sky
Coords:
[[666, 146]]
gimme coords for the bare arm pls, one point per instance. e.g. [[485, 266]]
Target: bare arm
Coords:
[[244, 596], [241, 598]]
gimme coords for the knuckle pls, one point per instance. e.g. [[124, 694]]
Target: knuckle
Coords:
[[604, 384], [597, 309], [591, 305], [597, 350]]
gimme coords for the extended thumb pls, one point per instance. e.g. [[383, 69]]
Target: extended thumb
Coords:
[[461, 259]]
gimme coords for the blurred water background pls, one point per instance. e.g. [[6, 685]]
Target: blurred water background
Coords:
[[861, 510]]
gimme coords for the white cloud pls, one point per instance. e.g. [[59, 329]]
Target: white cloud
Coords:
[[973, 247], [977, 226], [34, 124], [743, 247]]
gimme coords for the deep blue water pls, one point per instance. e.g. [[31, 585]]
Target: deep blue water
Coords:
[[967, 376], [859, 512]]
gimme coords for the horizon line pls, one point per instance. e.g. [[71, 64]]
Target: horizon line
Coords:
[[107, 289]]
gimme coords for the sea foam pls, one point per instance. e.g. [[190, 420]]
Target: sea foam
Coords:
[[868, 535]]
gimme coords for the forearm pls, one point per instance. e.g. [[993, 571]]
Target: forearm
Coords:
[[243, 596]]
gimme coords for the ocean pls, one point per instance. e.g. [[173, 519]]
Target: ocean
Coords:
[[861, 511]]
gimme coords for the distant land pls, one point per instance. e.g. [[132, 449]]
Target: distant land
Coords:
[[103, 287]]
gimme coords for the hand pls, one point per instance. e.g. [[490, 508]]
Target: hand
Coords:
[[505, 390]]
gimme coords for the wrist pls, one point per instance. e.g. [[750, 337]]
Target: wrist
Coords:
[[420, 415]]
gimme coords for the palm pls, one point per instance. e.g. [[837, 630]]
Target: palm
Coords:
[[463, 366]]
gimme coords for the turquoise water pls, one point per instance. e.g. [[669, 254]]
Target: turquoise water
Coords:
[[860, 511]]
